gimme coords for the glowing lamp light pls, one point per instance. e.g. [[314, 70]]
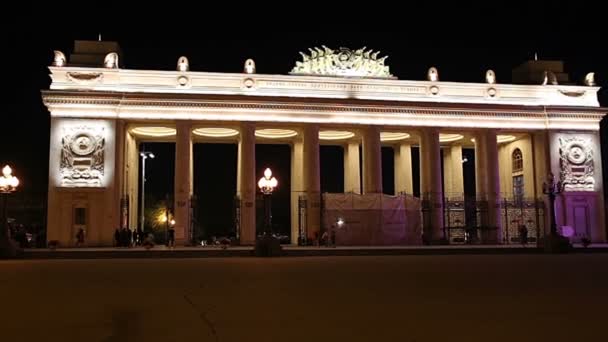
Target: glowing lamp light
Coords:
[[172, 222], [8, 182], [340, 222], [267, 183]]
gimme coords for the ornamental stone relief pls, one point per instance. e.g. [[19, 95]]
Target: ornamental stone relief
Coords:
[[82, 156], [342, 62], [576, 164]]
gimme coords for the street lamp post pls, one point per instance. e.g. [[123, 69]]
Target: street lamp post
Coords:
[[267, 185], [8, 185], [268, 245], [551, 188], [555, 242], [144, 156]]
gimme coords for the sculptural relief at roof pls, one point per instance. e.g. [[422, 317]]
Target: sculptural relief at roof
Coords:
[[342, 62]]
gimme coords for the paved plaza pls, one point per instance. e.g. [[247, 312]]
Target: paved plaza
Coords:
[[376, 298]]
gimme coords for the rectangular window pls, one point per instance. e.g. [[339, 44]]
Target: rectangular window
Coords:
[[80, 216], [518, 188]]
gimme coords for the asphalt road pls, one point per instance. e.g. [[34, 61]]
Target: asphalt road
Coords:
[[394, 298]]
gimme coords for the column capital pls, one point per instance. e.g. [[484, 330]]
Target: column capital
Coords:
[[183, 124], [247, 125], [430, 130]]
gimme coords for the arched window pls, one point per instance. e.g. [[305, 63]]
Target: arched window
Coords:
[[517, 166], [517, 161]]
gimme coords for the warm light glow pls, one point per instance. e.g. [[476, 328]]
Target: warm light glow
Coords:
[[340, 222], [8, 182], [162, 218], [502, 138], [266, 183], [335, 135], [393, 136], [445, 137], [274, 133], [213, 132], [150, 131]]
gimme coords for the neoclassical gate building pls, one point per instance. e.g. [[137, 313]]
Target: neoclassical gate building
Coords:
[[101, 112]]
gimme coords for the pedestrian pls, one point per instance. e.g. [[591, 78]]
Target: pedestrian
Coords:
[[129, 238], [117, 237], [139, 236], [80, 238], [523, 234], [149, 241], [171, 241], [325, 238]]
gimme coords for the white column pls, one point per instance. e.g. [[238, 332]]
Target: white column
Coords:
[[132, 180], [431, 188], [312, 179], [297, 186], [246, 183], [403, 169], [372, 161], [542, 167], [488, 183], [452, 171], [352, 174], [183, 181], [120, 172]]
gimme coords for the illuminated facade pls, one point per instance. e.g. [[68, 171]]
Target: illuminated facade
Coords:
[[520, 134]]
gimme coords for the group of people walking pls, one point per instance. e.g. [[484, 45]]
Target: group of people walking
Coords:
[[124, 237]]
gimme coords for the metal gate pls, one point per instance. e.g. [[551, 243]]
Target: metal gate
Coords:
[[455, 219], [527, 212]]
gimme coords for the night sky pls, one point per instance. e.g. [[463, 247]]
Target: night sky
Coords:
[[25, 145]]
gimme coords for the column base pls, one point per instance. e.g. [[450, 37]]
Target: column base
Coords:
[[437, 241], [183, 242], [268, 246], [490, 236], [8, 249], [556, 244]]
